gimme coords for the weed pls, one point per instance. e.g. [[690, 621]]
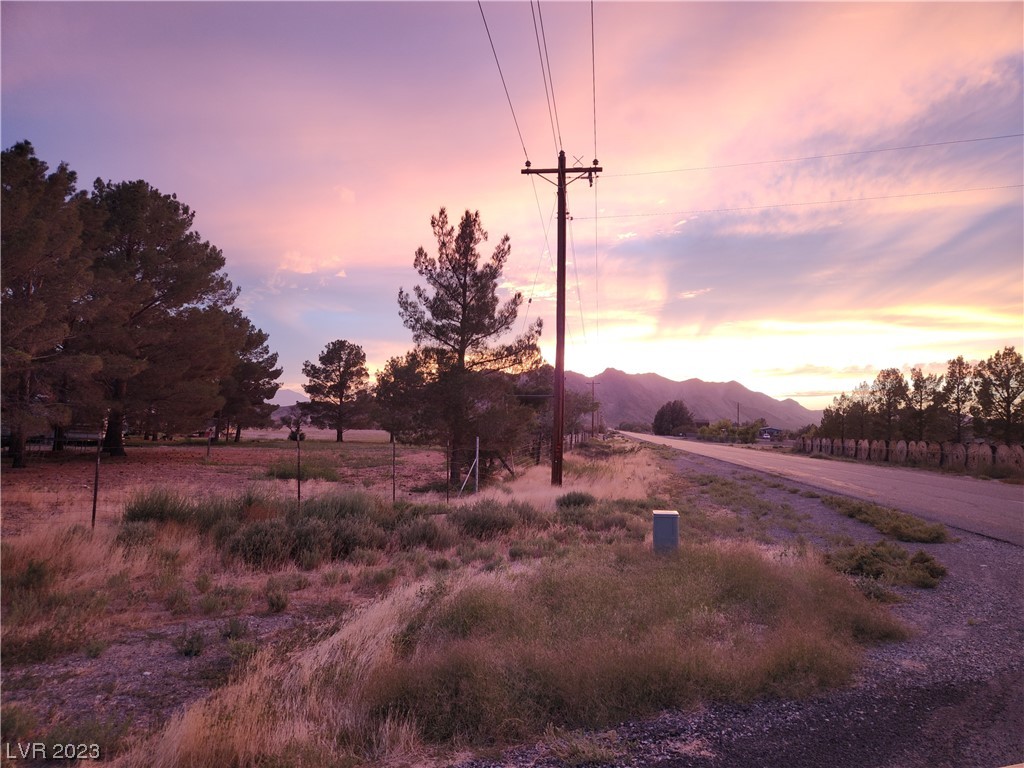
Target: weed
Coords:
[[888, 563], [277, 600], [95, 647], [576, 748], [576, 499], [109, 735], [189, 643], [889, 521], [158, 505], [16, 723], [177, 601], [241, 652], [235, 629]]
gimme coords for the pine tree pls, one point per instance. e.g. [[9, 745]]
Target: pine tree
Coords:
[[457, 321], [337, 388]]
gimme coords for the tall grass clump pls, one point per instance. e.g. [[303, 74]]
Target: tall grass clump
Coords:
[[52, 592], [597, 639], [159, 505], [491, 518], [889, 521], [576, 499], [888, 563]]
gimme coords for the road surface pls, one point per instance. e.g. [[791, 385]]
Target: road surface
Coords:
[[988, 507]]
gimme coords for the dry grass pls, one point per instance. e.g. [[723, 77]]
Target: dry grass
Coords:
[[505, 616]]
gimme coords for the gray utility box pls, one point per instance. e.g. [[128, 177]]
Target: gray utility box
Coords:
[[666, 530]]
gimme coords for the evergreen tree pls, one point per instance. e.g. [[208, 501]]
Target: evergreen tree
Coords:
[[999, 411], [151, 273], [889, 396], [958, 396], [45, 279], [923, 401], [672, 418], [251, 383], [337, 388], [456, 321], [835, 417]]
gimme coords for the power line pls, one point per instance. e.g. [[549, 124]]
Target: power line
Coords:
[[502, 76], [576, 272], [822, 157], [808, 202], [545, 68], [593, 74]]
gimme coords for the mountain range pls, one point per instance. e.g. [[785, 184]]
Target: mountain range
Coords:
[[636, 397]]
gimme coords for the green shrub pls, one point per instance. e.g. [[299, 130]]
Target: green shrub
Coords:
[[311, 543], [489, 519], [576, 499], [349, 534], [263, 544], [887, 562], [434, 533]]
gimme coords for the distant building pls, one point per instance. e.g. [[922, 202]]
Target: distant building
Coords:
[[769, 433]]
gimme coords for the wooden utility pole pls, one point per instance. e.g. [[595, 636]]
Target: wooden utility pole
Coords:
[[558, 429]]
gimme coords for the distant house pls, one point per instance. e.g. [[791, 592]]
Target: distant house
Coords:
[[769, 433]]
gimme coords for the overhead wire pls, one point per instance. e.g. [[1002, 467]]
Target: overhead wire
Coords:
[[819, 157], [864, 199], [503, 84], [576, 272], [597, 265], [545, 68]]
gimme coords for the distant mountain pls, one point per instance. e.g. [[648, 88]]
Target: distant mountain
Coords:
[[637, 397], [289, 397]]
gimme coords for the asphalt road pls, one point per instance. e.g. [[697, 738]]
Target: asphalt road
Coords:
[[987, 507]]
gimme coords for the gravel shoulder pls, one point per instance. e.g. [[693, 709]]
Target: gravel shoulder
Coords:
[[952, 695]]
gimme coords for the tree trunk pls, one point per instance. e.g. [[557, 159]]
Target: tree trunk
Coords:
[[238, 433], [113, 440], [17, 448], [60, 440]]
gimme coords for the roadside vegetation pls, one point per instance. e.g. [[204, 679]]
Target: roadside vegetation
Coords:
[[889, 521], [527, 612]]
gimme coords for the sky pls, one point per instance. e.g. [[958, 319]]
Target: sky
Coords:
[[794, 195]]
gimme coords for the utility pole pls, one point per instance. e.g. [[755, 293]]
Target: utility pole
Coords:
[[558, 429]]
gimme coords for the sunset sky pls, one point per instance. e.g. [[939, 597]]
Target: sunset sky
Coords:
[[315, 141]]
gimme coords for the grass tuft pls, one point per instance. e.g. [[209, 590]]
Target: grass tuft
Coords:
[[889, 521], [888, 563]]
